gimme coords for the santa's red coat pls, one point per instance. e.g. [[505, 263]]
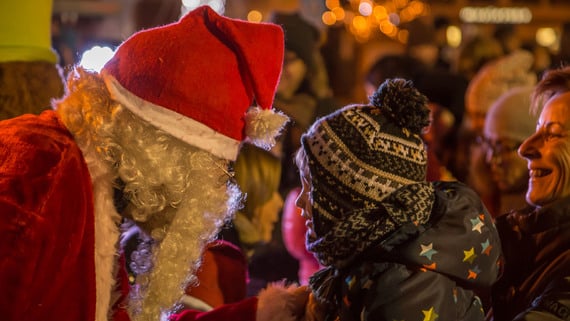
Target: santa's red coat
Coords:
[[47, 242], [47, 269]]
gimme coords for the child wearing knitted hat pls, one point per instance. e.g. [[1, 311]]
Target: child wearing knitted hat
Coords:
[[394, 246]]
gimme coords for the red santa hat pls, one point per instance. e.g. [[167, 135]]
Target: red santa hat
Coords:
[[197, 79]]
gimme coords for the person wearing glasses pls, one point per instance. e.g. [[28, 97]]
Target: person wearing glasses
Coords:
[[492, 81], [507, 124], [535, 281]]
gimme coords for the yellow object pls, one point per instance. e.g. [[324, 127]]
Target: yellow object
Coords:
[[25, 31]]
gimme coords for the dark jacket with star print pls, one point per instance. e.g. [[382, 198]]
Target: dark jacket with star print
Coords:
[[432, 272], [535, 283]]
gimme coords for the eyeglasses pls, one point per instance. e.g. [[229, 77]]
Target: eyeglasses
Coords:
[[499, 147]]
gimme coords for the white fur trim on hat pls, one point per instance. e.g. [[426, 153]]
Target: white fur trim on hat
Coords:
[[262, 126], [175, 124]]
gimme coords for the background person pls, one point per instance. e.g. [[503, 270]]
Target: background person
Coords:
[[491, 81], [258, 174], [507, 124], [535, 281]]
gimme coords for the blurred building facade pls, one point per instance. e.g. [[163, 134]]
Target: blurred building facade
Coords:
[[355, 32]]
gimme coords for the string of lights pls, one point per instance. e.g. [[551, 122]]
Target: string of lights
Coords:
[[366, 18]]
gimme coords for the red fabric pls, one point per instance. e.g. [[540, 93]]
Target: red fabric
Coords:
[[120, 307], [46, 223], [205, 67], [223, 275], [241, 311]]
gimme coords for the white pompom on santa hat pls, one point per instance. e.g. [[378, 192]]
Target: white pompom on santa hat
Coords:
[[197, 79]]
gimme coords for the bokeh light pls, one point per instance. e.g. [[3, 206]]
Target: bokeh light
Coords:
[[254, 16], [546, 37], [95, 58]]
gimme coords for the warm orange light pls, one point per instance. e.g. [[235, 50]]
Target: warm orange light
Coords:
[[328, 18], [362, 17], [339, 13], [380, 13], [254, 16], [359, 23], [406, 16], [331, 4], [394, 32], [386, 27], [417, 7], [390, 7], [400, 3], [453, 35], [546, 37], [403, 35]]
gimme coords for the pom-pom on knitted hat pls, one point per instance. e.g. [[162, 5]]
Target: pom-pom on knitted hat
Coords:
[[359, 155], [197, 78]]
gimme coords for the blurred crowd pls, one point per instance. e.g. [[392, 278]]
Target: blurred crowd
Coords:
[[481, 137]]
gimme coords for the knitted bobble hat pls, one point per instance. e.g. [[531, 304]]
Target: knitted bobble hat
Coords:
[[359, 155]]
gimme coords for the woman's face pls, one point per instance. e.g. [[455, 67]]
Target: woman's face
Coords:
[[547, 152], [305, 203]]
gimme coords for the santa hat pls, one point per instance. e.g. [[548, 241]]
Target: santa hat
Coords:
[[197, 79]]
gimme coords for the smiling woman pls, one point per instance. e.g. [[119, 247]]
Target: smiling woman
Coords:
[[538, 237], [548, 153]]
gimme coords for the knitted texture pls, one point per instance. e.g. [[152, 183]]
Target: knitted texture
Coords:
[[359, 155]]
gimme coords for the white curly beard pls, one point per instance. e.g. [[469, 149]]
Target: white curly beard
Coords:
[[177, 256]]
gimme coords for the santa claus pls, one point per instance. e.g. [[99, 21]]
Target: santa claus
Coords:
[[150, 139]]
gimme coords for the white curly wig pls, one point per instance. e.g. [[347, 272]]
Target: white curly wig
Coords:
[[178, 194]]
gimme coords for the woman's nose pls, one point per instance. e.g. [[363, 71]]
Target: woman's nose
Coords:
[[529, 147]]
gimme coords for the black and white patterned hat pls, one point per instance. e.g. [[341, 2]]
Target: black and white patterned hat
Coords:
[[360, 154]]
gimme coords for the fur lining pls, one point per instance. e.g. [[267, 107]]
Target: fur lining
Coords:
[[282, 303], [182, 127], [106, 235], [262, 126]]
